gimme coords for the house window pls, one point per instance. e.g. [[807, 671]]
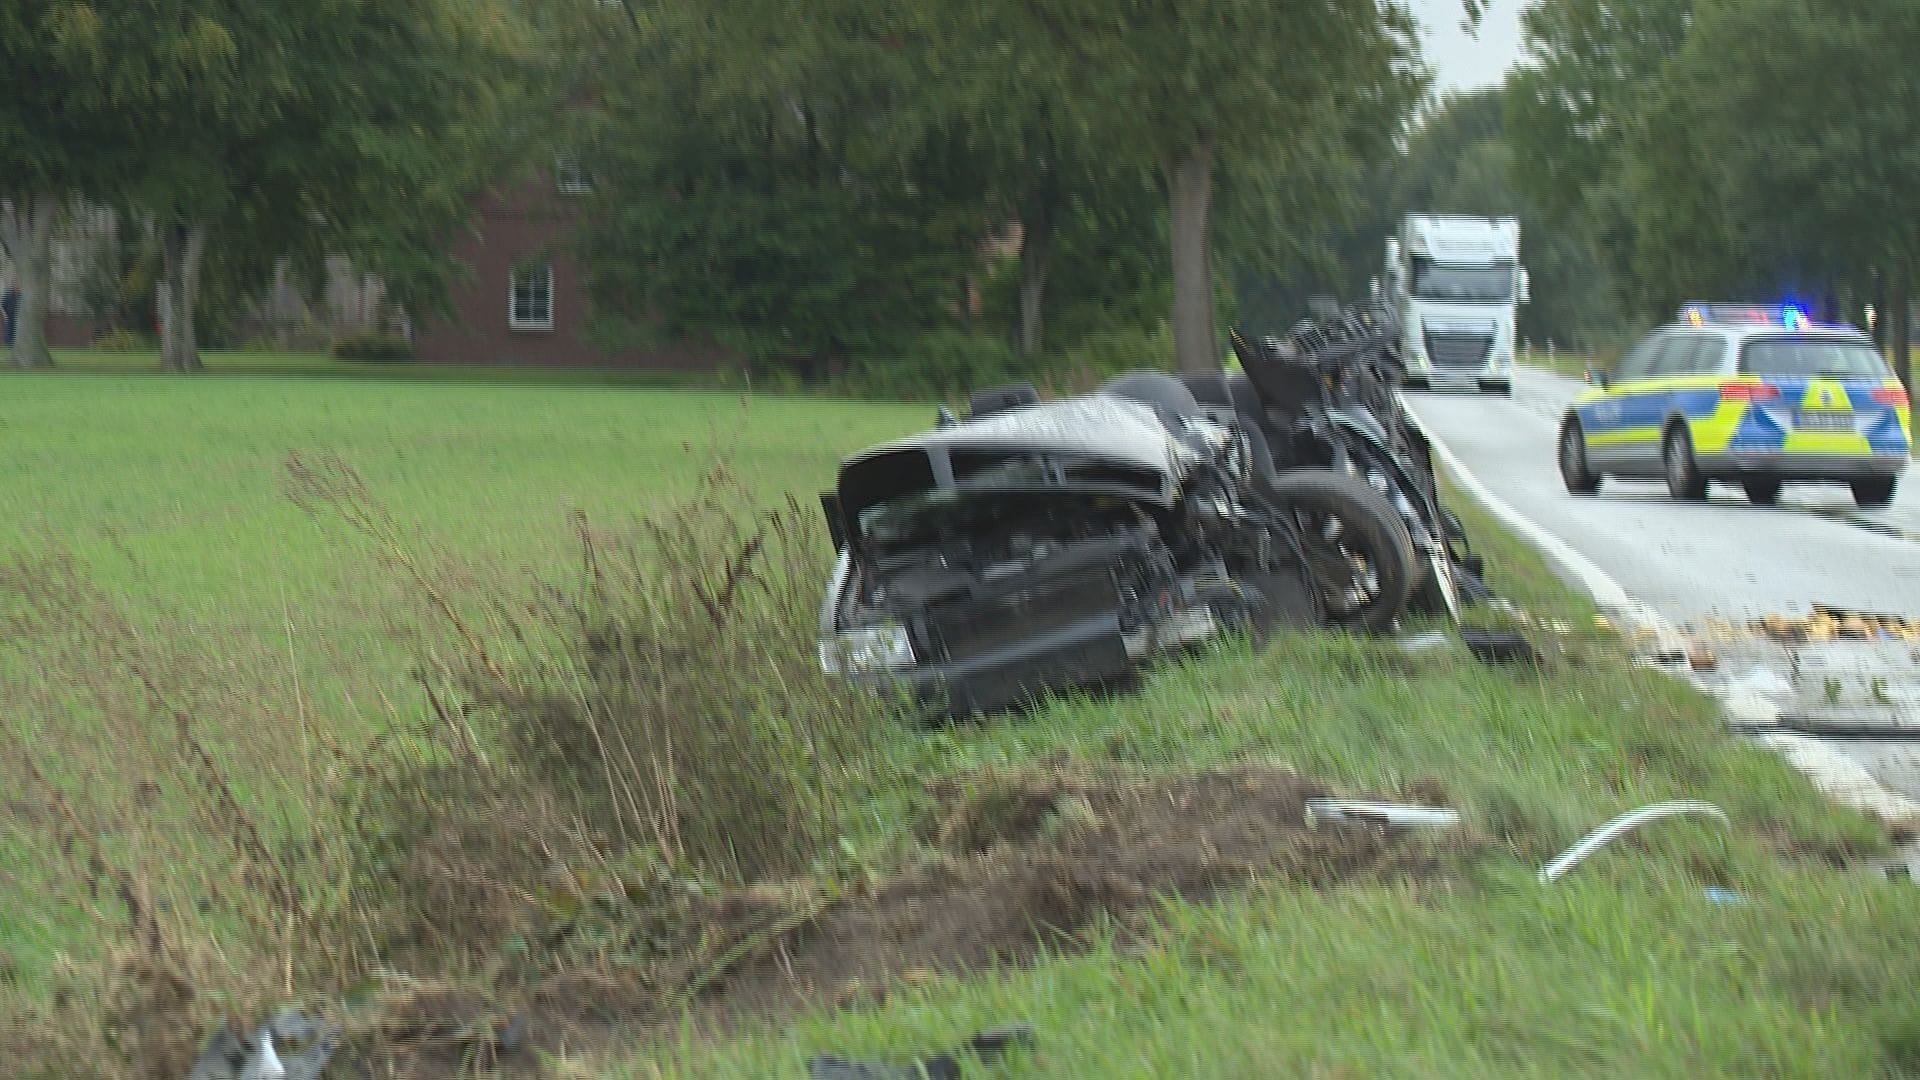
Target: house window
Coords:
[[570, 178], [530, 297]]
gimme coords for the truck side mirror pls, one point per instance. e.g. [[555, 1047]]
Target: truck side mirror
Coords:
[[1526, 286], [1373, 288]]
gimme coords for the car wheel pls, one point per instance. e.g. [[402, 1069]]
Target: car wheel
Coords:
[[1873, 491], [1762, 490], [1683, 476], [1355, 545], [1573, 461]]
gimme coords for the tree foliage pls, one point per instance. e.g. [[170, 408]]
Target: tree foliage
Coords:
[[1746, 148], [795, 180], [1789, 169], [1456, 159], [272, 128]]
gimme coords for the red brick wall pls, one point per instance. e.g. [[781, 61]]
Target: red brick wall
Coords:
[[528, 220]]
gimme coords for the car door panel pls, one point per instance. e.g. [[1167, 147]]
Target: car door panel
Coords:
[[1630, 440]]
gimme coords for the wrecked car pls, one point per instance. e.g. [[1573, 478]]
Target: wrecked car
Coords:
[[1039, 546]]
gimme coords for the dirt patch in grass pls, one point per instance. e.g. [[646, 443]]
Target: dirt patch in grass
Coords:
[[1009, 864], [1017, 862], [1028, 859]]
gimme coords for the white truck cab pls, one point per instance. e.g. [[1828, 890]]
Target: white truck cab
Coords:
[[1455, 283]]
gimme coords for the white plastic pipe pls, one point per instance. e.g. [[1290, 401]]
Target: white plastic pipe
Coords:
[[1600, 837]]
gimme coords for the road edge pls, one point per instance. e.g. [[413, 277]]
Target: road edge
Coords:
[[1839, 778]]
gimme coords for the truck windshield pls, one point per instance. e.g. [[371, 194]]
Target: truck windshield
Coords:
[[1491, 283]]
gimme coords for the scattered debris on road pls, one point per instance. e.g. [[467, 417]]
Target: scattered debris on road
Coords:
[[1836, 691], [1823, 622]]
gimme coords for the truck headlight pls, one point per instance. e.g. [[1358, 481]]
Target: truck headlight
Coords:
[[869, 648]]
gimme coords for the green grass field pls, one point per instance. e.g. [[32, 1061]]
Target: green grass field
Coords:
[[167, 492]]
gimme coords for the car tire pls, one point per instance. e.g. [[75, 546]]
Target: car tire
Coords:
[[1762, 490], [1684, 481], [1873, 491], [1574, 473], [1504, 389], [1338, 517]]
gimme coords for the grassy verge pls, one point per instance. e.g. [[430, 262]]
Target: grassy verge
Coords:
[[169, 495]]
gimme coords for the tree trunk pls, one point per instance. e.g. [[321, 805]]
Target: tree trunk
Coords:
[[1036, 252], [1900, 311], [27, 231], [1190, 195], [181, 248]]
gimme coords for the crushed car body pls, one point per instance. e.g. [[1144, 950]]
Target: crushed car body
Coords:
[[1043, 547], [1040, 546]]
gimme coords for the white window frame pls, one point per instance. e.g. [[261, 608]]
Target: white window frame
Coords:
[[522, 275], [569, 178]]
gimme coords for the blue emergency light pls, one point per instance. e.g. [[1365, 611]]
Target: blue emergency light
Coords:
[[1791, 316]]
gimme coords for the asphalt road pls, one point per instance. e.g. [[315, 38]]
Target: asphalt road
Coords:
[[1687, 561]]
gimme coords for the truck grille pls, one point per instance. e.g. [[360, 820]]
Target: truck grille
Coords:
[[1458, 350], [964, 631]]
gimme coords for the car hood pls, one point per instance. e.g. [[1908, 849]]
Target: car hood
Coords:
[[1096, 443]]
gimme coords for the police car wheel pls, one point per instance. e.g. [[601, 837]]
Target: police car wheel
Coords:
[[1762, 490], [1873, 491], [1683, 476], [1573, 461]]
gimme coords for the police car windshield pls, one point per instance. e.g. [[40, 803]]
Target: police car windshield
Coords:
[[1489, 284], [1831, 359]]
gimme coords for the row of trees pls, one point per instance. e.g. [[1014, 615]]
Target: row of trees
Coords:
[[808, 182], [1734, 148], [816, 180], [241, 132], [798, 180]]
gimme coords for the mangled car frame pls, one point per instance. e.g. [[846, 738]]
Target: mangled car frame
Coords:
[[1040, 546]]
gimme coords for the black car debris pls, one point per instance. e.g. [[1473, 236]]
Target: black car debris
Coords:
[[1040, 546]]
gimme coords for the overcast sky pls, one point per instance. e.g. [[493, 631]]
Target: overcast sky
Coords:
[[1463, 61]]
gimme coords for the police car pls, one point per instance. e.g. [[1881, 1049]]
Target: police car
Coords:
[[1753, 395]]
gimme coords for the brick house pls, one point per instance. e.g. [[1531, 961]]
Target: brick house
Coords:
[[525, 298]]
